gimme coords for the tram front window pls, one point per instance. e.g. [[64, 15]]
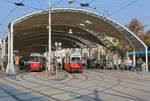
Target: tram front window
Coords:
[[34, 59], [75, 59]]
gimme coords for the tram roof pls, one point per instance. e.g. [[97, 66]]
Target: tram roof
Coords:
[[71, 26]]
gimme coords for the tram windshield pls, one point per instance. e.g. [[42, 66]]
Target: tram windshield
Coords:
[[75, 59], [34, 59]]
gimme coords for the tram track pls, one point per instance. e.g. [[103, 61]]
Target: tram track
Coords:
[[59, 88], [70, 78], [55, 82], [117, 84], [74, 76], [29, 89], [64, 84], [74, 83], [86, 89], [60, 80]]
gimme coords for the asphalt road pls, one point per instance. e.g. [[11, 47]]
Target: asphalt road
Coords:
[[91, 85]]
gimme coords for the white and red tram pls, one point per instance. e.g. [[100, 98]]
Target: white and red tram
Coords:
[[73, 63], [37, 62]]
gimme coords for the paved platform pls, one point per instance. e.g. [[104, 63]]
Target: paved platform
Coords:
[[91, 85]]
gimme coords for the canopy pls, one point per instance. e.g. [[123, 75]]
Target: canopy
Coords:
[[72, 27]]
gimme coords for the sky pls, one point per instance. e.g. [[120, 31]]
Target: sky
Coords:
[[122, 11]]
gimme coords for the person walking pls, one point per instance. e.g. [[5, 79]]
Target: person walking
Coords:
[[144, 67], [139, 65]]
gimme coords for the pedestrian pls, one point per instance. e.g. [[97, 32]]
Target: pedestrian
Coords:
[[144, 67], [139, 66]]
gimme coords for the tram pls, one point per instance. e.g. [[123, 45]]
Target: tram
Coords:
[[73, 63], [37, 62]]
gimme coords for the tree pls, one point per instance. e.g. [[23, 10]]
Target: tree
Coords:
[[146, 38], [136, 27]]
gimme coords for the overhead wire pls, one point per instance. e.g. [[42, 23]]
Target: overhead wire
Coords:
[[91, 1], [57, 3], [39, 3], [122, 8], [12, 11], [2, 21], [8, 15], [5, 18], [110, 14], [94, 7], [60, 1], [144, 18], [14, 2]]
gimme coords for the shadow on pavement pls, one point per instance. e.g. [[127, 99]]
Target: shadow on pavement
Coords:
[[85, 98], [10, 93]]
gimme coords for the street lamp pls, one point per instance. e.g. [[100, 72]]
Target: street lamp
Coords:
[[70, 31], [71, 1], [81, 4], [19, 4], [49, 41], [84, 4]]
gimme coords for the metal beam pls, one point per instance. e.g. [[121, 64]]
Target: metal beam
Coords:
[[11, 68], [146, 56], [8, 64], [134, 58]]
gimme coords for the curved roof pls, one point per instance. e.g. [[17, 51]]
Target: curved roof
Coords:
[[89, 29]]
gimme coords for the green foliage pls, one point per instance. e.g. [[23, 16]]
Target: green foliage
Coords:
[[146, 38], [136, 27]]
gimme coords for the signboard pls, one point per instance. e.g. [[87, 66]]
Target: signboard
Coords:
[[17, 61], [128, 63]]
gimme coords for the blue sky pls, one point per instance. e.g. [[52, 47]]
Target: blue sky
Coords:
[[138, 9]]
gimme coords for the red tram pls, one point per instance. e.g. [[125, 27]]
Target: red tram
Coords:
[[73, 63], [37, 62]]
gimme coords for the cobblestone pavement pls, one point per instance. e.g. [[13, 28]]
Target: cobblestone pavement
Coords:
[[91, 85]]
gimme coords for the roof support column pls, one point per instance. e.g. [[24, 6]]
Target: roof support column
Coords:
[[134, 58], [11, 68], [98, 54], [117, 60], [89, 52], [81, 52], [146, 56], [3, 52], [107, 59], [49, 55], [8, 52], [4, 47]]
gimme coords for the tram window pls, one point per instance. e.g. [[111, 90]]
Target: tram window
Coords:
[[75, 59], [34, 59]]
